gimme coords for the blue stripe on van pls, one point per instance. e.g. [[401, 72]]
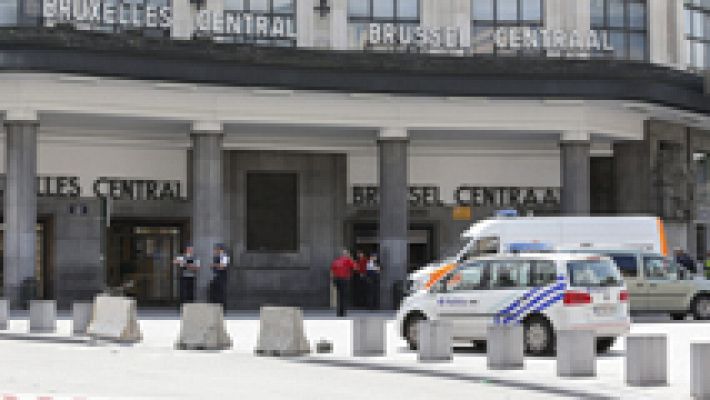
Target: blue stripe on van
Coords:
[[550, 290]]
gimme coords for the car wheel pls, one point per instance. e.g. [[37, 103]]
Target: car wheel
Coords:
[[677, 317], [411, 330], [604, 344], [539, 337], [701, 308]]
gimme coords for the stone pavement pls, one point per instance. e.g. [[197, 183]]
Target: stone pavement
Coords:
[[152, 369]]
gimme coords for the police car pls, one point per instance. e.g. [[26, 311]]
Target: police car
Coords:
[[543, 292]]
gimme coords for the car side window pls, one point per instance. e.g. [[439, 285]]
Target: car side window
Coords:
[[543, 273], [468, 277], [658, 268], [510, 274], [628, 266]]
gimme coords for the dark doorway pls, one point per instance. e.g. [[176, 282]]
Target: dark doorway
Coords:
[[421, 242], [602, 196]]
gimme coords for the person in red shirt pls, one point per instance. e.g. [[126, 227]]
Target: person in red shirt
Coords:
[[341, 271]]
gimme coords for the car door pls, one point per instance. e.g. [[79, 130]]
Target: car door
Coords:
[[510, 280], [665, 292], [636, 285], [460, 297]]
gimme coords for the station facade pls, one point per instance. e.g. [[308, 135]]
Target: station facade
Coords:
[[290, 129]]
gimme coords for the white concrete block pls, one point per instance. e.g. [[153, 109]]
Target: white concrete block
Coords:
[[115, 318], [43, 316], [281, 332], [435, 341], [369, 338], [4, 313], [506, 348], [81, 316], [646, 360], [700, 370], [576, 353], [202, 328]]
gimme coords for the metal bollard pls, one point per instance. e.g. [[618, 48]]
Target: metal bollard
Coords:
[[700, 370], [81, 316], [43, 316], [646, 360], [369, 337], [4, 313], [435, 339], [576, 353], [505, 347]]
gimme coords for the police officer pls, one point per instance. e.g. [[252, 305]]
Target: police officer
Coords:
[[188, 265], [220, 263]]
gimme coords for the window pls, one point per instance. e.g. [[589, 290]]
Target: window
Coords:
[[697, 37], [8, 12], [489, 15], [272, 212], [486, 245], [627, 264], [468, 277], [593, 273], [510, 274], [626, 24], [403, 14], [543, 273], [285, 10], [659, 268]]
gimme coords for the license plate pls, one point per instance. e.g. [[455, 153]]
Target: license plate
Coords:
[[604, 310]]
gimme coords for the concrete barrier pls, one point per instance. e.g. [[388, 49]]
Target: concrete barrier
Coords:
[[700, 370], [4, 313], [43, 316], [202, 328], [81, 316], [281, 332], [506, 348], [646, 360], [115, 319], [576, 353], [435, 341], [369, 337]]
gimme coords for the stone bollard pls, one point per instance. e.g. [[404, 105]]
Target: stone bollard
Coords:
[[202, 328], [369, 337], [4, 313], [700, 370], [506, 346], [576, 353], [281, 332], [646, 360], [43, 316], [116, 319], [435, 339], [81, 312]]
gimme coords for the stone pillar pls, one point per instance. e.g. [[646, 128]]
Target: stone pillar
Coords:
[[394, 211], [207, 198], [20, 204], [574, 170], [339, 24]]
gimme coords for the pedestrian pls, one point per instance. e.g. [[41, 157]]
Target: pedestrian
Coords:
[[341, 271], [359, 280], [683, 259], [373, 281], [188, 266], [220, 266]]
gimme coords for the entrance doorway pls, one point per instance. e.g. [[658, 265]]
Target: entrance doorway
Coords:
[[140, 259], [421, 242]]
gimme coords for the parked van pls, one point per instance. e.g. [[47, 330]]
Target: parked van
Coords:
[[544, 292]]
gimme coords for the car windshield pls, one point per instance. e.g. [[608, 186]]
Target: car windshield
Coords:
[[593, 272]]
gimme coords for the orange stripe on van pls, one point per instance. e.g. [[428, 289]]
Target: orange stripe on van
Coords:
[[662, 237], [439, 273]]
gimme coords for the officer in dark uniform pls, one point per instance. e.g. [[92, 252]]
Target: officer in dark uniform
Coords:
[[188, 265], [220, 263]]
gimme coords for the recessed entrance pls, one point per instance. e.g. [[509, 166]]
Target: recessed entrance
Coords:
[[421, 242]]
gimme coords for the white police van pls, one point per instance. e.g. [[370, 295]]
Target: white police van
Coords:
[[544, 292]]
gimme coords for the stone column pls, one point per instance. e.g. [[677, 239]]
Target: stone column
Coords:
[[207, 198], [574, 170], [20, 204], [392, 149]]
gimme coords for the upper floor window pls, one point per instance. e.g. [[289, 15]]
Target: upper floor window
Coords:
[[626, 23], [8, 12], [697, 33], [283, 11], [361, 13], [489, 15]]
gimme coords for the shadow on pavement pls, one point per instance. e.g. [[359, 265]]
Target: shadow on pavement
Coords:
[[470, 378]]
